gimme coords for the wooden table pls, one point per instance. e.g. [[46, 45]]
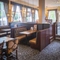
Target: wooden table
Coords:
[[28, 32], [5, 39]]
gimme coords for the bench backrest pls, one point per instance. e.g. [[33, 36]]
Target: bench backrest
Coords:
[[42, 38], [15, 31]]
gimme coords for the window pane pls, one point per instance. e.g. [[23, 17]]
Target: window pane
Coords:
[[16, 15], [36, 15], [29, 15], [52, 15], [3, 18]]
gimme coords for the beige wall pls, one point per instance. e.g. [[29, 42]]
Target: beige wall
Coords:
[[25, 3], [41, 11]]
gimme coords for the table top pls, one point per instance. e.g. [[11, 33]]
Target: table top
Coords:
[[5, 39], [28, 32]]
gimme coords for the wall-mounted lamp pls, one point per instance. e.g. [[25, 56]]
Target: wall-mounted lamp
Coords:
[[32, 11], [8, 14]]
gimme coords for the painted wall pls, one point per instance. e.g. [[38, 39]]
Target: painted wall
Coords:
[[31, 3]]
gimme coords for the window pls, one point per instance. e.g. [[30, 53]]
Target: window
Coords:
[[36, 15], [24, 14], [52, 15], [16, 15], [3, 17], [29, 15]]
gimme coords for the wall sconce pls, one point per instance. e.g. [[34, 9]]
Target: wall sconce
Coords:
[[32, 11], [8, 14]]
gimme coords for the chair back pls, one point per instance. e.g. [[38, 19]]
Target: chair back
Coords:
[[12, 45], [15, 31], [43, 38]]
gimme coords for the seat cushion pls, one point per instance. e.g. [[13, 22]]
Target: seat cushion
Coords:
[[33, 41], [21, 37]]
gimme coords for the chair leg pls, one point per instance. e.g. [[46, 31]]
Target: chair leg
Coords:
[[16, 55], [1, 58], [7, 57]]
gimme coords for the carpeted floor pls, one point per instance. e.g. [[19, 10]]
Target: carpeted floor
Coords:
[[51, 52]]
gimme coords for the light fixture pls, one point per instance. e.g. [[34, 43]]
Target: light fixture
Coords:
[[59, 13], [8, 14], [32, 11]]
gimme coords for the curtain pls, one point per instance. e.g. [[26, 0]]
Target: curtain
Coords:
[[21, 11], [6, 9], [14, 10]]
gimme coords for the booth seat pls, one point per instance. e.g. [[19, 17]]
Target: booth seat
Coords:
[[15, 33], [41, 40], [52, 31]]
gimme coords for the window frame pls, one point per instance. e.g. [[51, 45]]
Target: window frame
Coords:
[[24, 18], [55, 12], [30, 12], [2, 26], [17, 12]]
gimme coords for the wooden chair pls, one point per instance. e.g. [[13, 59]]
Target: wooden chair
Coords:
[[1, 50], [12, 46]]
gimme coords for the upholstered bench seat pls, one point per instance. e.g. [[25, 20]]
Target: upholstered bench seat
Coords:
[[21, 37], [33, 41], [15, 33], [41, 40]]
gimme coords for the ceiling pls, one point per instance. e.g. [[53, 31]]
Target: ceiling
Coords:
[[33, 2], [48, 3], [52, 3]]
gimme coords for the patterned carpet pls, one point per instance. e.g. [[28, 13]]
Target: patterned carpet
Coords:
[[51, 52]]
